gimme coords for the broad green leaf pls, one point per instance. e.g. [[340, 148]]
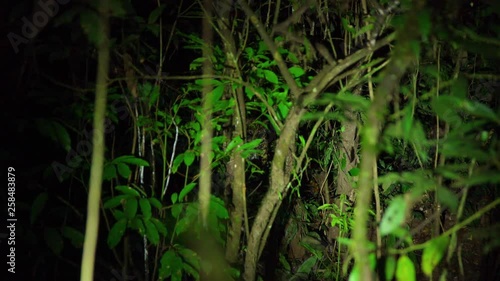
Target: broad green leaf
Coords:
[[116, 233], [354, 172], [53, 239], [424, 24], [129, 159], [155, 14], [390, 267], [270, 76], [151, 232], [405, 270], [189, 157], [217, 93], [138, 224], [171, 266], [307, 265], [250, 145], [433, 254], [145, 207], [177, 162], [176, 210], [75, 236], [118, 214], [284, 263], [182, 225], [217, 206], [354, 276], [128, 190], [123, 170], [116, 201], [38, 206], [394, 216], [88, 21], [296, 71], [174, 197], [55, 131], [283, 109], [357, 102], [190, 270], [130, 208], [407, 124], [481, 110], [156, 203], [446, 108], [159, 226], [447, 198], [233, 143], [189, 256], [185, 191], [109, 172]]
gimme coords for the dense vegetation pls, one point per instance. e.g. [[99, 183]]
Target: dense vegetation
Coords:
[[255, 140]]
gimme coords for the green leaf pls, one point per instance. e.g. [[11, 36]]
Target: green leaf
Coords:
[[189, 157], [233, 143], [189, 256], [55, 131], [446, 108], [155, 14], [296, 71], [447, 198], [53, 239], [116, 233], [109, 172], [270, 76], [159, 226], [151, 232], [174, 197], [89, 20], [145, 207], [129, 159], [354, 276], [170, 265], [75, 236], [481, 110], [176, 210], [127, 190], [394, 216], [185, 191], [156, 203], [433, 254], [354, 172], [116, 201], [130, 208], [390, 267], [424, 24], [405, 270], [38, 206], [284, 108], [307, 265], [250, 145], [218, 208], [177, 162], [217, 93], [123, 170], [138, 224]]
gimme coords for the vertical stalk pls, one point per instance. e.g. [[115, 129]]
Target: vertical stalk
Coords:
[[96, 170]]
